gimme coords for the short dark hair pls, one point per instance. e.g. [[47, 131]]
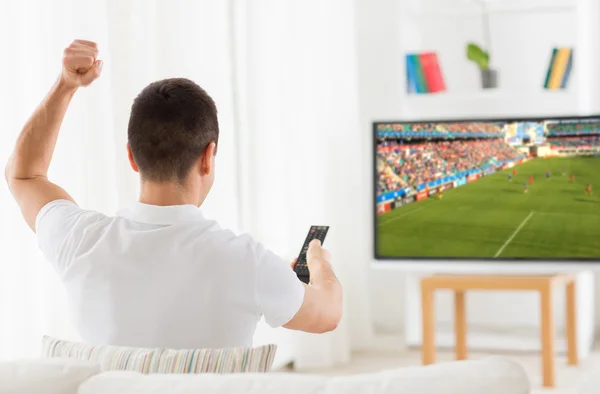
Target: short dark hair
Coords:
[[172, 122]]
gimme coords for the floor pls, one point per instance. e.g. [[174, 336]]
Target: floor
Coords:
[[569, 380]]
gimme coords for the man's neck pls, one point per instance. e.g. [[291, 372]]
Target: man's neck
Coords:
[[165, 194]]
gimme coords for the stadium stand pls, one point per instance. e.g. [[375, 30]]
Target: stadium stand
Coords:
[[412, 165], [574, 142], [573, 128], [456, 128]]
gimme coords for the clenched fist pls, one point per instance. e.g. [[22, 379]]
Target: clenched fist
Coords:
[[80, 64]]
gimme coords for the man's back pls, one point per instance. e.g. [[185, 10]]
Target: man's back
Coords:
[[165, 277], [159, 274]]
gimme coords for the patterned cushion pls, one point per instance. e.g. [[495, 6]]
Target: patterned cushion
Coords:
[[117, 358]]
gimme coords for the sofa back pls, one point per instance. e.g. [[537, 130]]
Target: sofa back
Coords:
[[58, 376]]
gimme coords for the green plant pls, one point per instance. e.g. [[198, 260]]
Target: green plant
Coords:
[[478, 56]]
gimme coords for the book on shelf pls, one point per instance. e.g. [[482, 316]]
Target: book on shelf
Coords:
[[559, 69], [565, 78], [412, 83], [423, 73], [550, 68], [432, 72]]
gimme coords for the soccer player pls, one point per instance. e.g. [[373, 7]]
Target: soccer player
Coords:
[[531, 179], [514, 171], [572, 178], [547, 174], [588, 189], [509, 177], [564, 172], [525, 188]]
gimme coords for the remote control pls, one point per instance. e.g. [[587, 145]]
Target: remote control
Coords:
[[301, 269]]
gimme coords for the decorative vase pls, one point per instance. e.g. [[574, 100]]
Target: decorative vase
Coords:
[[489, 78]]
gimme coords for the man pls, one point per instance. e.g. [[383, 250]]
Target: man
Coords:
[[158, 274], [588, 189]]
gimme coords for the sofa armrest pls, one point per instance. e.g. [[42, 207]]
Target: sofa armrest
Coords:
[[48, 376]]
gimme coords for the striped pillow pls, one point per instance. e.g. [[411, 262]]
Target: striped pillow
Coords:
[[117, 358]]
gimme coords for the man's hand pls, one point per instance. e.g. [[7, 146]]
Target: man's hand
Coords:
[[317, 258], [321, 309], [80, 64]]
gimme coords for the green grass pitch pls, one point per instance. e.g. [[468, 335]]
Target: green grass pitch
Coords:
[[493, 217]]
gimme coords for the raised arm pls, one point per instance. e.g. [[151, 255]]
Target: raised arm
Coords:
[[27, 169]]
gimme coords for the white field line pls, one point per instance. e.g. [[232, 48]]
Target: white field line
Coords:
[[514, 234]]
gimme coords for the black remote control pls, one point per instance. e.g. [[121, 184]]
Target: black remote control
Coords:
[[301, 269]]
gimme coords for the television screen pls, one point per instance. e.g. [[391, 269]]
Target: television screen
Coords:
[[488, 189]]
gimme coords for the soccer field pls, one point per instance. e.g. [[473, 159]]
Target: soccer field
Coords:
[[493, 218]]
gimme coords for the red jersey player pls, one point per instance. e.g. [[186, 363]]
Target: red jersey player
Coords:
[[572, 178], [588, 189], [531, 179]]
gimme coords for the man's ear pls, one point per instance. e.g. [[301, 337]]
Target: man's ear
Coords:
[[132, 162], [207, 159]]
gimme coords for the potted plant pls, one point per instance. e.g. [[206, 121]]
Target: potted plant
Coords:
[[481, 56]]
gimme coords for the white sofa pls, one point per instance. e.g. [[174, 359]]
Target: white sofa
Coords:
[[62, 376]]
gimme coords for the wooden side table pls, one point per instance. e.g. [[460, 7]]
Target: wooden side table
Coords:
[[462, 283]]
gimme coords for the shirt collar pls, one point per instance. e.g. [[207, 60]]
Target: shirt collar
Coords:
[[162, 215]]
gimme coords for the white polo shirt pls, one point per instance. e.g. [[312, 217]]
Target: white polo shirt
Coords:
[[164, 277]]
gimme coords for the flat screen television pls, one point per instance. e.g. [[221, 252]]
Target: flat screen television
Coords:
[[500, 189]]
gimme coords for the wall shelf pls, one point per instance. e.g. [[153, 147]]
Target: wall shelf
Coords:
[[485, 104], [463, 8], [493, 94]]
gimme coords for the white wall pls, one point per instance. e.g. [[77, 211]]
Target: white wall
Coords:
[[380, 86], [522, 64]]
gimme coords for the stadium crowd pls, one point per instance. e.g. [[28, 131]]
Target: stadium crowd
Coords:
[[456, 128], [574, 142], [573, 127], [412, 165]]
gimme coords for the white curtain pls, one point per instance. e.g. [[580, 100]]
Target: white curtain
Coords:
[[140, 41], [304, 150]]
